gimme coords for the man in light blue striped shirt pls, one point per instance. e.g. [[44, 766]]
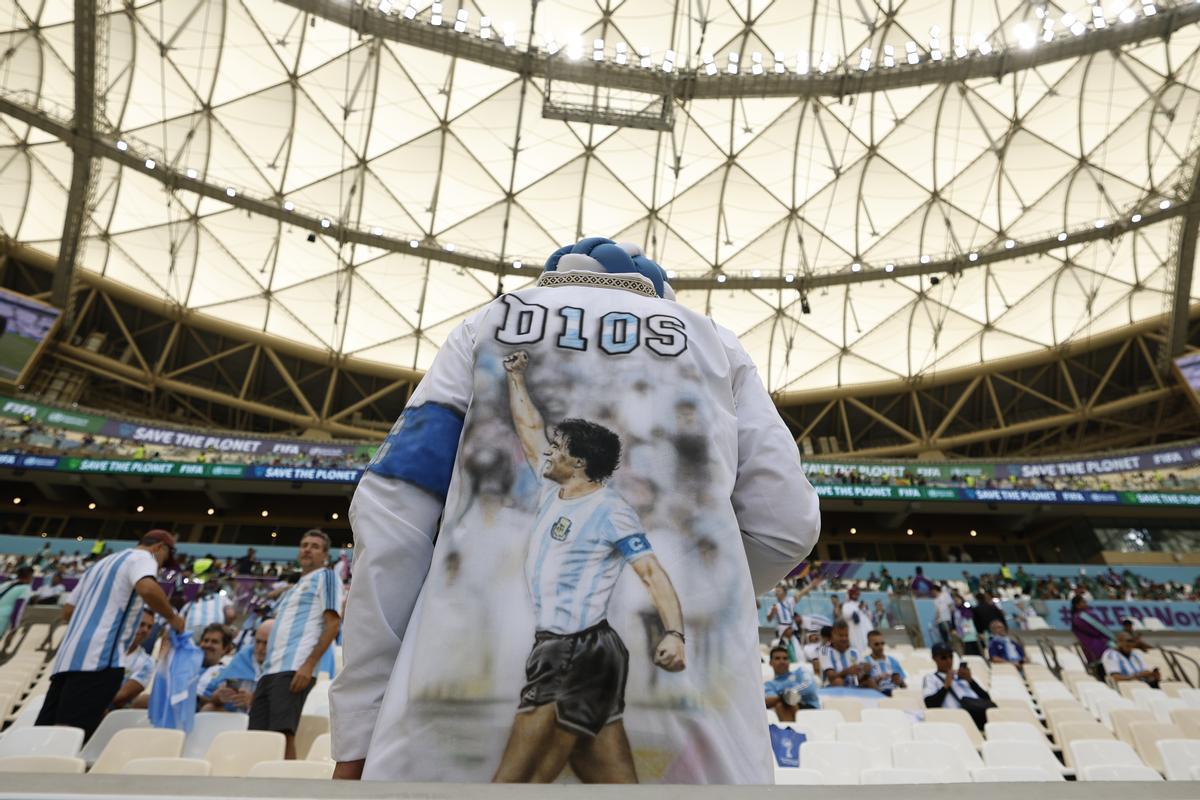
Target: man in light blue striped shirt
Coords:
[[89, 667], [307, 621], [212, 607]]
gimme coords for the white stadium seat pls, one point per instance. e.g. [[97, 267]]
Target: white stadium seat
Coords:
[[1013, 732], [233, 753], [898, 722], [114, 721], [797, 776], [320, 749], [183, 767], [875, 739], [1118, 772], [887, 775], [822, 723], [1096, 752], [307, 770], [950, 734], [937, 756], [1179, 757], [1020, 754], [207, 726], [838, 762], [47, 740], [43, 765], [28, 713], [1014, 775], [131, 743]]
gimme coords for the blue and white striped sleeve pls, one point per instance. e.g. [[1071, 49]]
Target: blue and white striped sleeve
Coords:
[[331, 592]]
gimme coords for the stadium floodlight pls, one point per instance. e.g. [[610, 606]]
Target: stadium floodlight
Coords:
[[925, 259], [853, 531], [510, 35], [720, 279], [732, 63], [140, 509], [644, 57], [1009, 244], [802, 63], [377, 231], [410, 12], [668, 61], [1127, 15], [1024, 35], [191, 173], [864, 59], [780, 65], [1164, 205], [756, 274], [597, 50], [1078, 29], [16, 501], [211, 511], [622, 53], [450, 247], [974, 533], [756, 63], [1098, 20], [789, 278], [910, 48], [1149, 9], [385, 6], [288, 205], [230, 191], [122, 145], [552, 45], [1099, 223], [1136, 218], [909, 531], [460, 21], [150, 163], [325, 222], [972, 256], [960, 47], [264, 513], [92, 506], [517, 264], [575, 48], [856, 267], [1062, 237], [826, 62], [984, 47], [435, 16], [710, 66], [1040, 12], [672, 274], [485, 27], [889, 56], [889, 267], [413, 243]]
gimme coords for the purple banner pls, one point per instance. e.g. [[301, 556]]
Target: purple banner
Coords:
[[1175, 616]]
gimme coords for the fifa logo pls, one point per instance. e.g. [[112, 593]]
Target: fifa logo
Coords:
[[561, 529]]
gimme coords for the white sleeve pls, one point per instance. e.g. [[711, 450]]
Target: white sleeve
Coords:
[[777, 508], [394, 516]]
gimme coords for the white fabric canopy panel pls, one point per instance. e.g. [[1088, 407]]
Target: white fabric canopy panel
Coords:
[[262, 98]]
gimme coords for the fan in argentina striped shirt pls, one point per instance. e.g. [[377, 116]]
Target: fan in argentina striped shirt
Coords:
[[103, 600], [300, 619]]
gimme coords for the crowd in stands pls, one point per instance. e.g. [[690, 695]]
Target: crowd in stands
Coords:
[[130, 644], [1157, 480]]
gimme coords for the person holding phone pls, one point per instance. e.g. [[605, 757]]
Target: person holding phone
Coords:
[[950, 688]]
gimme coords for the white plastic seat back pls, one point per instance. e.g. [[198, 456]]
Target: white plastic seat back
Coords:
[[320, 749], [43, 765], [182, 767], [1013, 732], [1097, 752], [1180, 757], [1014, 775], [28, 713], [875, 739], [822, 722], [1118, 772], [899, 723], [133, 743], [208, 724], [1020, 754], [46, 740], [119, 720], [838, 762], [308, 770], [937, 756], [876, 776], [796, 776], [233, 753], [950, 734]]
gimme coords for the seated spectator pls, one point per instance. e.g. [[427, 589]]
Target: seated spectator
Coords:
[[51, 591], [216, 642], [139, 667], [789, 642], [11, 593], [1001, 648], [946, 688], [1138, 642], [885, 670], [1123, 663], [841, 664], [233, 688], [790, 689], [212, 607]]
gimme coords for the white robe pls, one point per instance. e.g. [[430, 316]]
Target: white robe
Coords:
[[421, 695]]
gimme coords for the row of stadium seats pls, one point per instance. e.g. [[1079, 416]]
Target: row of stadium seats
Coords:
[[1131, 732]]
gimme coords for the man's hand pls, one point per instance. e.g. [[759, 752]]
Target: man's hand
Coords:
[[243, 698], [949, 682], [224, 695], [669, 654], [517, 362], [964, 672], [301, 679], [349, 770], [177, 623]]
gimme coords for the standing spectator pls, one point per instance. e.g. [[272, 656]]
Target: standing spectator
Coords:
[[212, 607], [1093, 635], [921, 586], [12, 593], [139, 666], [790, 690], [791, 643], [885, 670], [841, 664], [858, 618], [1123, 663], [782, 612], [946, 688], [985, 613], [972, 582], [246, 564], [306, 623], [943, 609], [1001, 648], [88, 669]]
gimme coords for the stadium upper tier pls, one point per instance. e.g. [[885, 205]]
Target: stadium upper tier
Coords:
[[904, 191], [93, 441]]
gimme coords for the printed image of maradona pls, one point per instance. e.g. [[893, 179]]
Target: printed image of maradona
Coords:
[[584, 533]]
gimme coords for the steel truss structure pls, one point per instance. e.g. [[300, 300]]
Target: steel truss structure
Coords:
[[345, 182], [128, 352]]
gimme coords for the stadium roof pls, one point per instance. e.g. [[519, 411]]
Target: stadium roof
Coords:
[[862, 192]]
